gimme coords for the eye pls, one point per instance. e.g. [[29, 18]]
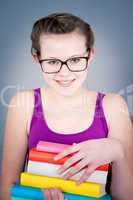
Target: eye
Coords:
[[53, 62], [74, 60]]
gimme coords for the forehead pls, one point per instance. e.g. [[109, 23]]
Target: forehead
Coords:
[[62, 45]]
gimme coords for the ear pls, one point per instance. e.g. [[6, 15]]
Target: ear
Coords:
[[91, 55], [35, 58]]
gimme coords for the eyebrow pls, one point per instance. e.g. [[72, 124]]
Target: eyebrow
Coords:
[[68, 57]]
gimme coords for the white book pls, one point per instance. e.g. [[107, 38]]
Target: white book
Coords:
[[49, 169]]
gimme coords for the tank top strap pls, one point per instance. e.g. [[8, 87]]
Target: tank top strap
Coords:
[[100, 111], [37, 103], [99, 102]]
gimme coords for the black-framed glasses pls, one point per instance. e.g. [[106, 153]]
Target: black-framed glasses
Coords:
[[74, 64]]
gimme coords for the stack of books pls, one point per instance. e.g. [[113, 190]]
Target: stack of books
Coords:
[[42, 172]]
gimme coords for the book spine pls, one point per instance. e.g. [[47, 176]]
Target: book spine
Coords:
[[19, 198], [49, 169], [38, 194], [45, 157], [51, 147], [40, 156], [69, 186]]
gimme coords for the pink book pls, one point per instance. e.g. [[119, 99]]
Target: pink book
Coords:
[[51, 147]]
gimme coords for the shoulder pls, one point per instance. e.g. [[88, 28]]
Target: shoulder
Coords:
[[22, 98], [110, 101], [22, 103], [21, 107], [114, 103], [22, 94], [117, 115]]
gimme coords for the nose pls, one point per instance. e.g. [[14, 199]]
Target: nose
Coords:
[[64, 70]]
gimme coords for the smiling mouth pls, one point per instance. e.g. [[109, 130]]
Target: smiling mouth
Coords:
[[65, 83]]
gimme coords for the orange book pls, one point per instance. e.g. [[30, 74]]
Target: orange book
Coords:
[[42, 156]]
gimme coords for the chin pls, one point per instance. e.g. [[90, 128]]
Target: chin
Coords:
[[66, 92]]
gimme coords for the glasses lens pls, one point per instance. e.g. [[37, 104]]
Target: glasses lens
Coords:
[[77, 63], [74, 64], [51, 66]]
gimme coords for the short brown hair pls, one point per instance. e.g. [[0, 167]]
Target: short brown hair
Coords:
[[60, 23]]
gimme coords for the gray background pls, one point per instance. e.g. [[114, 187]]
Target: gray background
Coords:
[[111, 70]]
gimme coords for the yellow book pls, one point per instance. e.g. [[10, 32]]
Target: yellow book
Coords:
[[86, 189]]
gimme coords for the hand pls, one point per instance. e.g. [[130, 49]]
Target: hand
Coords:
[[89, 155], [53, 194]]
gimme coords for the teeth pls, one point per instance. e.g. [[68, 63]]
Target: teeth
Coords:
[[65, 82]]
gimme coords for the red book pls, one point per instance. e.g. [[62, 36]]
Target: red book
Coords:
[[42, 156]]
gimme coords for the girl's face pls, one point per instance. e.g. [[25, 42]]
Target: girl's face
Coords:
[[63, 47]]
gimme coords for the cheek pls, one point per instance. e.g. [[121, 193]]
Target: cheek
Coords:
[[48, 77], [81, 76]]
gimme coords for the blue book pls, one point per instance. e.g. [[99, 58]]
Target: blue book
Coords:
[[19, 198], [31, 193]]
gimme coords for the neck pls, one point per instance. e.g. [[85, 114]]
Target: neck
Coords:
[[77, 98]]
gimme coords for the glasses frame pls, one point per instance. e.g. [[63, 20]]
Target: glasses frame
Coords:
[[65, 62]]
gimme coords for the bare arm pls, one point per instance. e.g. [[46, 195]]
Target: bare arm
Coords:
[[120, 127], [15, 143], [118, 149]]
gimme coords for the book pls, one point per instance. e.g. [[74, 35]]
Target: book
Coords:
[[69, 186], [45, 157], [19, 198], [48, 157], [19, 192], [49, 169], [51, 147]]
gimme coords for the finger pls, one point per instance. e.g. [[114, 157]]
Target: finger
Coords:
[[74, 148], [70, 162], [88, 171], [54, 193], [60, 195], [76, 168], [47, 194]]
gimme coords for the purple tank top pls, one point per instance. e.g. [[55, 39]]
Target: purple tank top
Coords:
[[39, 129]]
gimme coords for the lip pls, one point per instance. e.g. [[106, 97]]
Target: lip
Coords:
[[65, 83]]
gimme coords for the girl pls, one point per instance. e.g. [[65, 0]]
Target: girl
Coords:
[[65, 111]]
